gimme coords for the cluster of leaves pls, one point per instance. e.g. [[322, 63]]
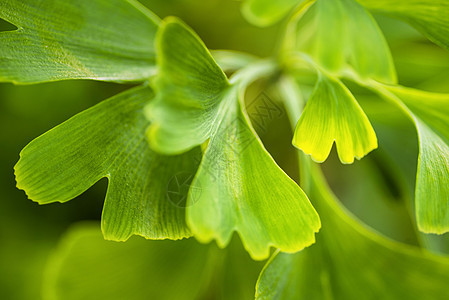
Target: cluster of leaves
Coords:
[[188, 117]]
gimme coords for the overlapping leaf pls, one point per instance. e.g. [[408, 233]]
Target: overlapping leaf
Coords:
[[267, 12], [333, 114], [229, 60], [110, 40], [85, 266], [430, 112], [108, 140], [243, 189], [341, 35], [351, 262], [429, 17]]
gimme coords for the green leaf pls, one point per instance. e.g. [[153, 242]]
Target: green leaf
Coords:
[[333, 114], [341, 35], [109, 40], [430, 112], [85, 266], [108, 140], [350, 261], [429, 17], [229, 60], [242, 188], [189, 87], [267, 12]]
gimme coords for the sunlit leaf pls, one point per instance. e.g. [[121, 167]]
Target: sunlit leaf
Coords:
[[333, 114], [350, 261], [267, 12], [242, 188], [108, 140], [429, 17], [341, 35], [430, 112], [110, 40]]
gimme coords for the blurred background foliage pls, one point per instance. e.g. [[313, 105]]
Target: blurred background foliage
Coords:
[[35, 244]]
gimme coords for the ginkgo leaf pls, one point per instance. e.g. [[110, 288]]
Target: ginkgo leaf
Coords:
[[108, 140], [229, 60], [430, 111], [85, 266], [350, 261], [429, 17], [267, 12], [110, 40], [333, 114], [242, 188], [341, 35]]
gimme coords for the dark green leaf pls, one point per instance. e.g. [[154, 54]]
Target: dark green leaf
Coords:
[[85, 266]]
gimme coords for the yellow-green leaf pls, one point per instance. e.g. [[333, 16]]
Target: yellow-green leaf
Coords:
[[108, 140], [350, 261], [333, 114], [242, 188]]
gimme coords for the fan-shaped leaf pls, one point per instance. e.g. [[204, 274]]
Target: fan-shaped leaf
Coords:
[[242, 188], [430, 112], [108, 140], [267, 12], [85, 266], [429, 17], [110, 40], [341, 34], [333, 114], [351, 262]]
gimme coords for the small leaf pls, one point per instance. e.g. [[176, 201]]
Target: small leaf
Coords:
[[333, 114], [430, 112], [350, 261], [243, 189], [341, 35], [109, 40], [108, 140], [267, 12], [429, 17]]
